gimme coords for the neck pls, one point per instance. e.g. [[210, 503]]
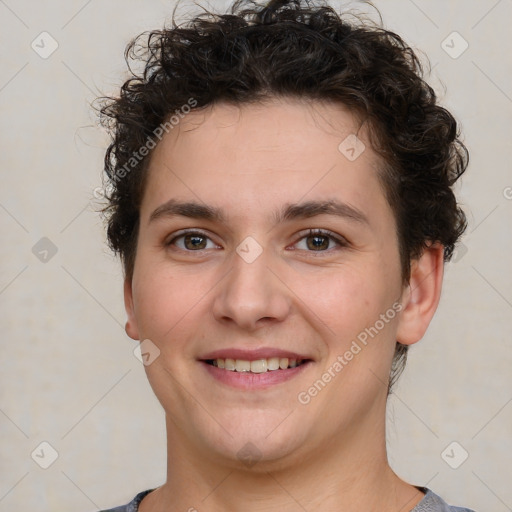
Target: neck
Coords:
[[351, 474]]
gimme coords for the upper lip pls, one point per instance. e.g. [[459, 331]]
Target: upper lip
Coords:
[[252, 355]]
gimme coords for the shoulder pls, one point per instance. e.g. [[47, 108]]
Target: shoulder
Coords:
[[133, 506], [430, 503], [433, 503]]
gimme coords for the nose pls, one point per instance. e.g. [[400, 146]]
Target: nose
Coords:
[[252, 295]]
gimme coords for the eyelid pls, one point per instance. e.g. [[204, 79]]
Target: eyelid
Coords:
[[338, 239], [184, 232]]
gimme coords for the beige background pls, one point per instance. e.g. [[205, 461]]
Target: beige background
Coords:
[[69, 376]]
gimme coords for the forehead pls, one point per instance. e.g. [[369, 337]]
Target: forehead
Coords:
[[284, 128], [250, 157]]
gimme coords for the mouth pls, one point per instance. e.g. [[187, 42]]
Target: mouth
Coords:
[[263, 365], [254, 370]]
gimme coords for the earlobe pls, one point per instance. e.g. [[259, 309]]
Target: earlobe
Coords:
[[422, 294], [131, 322]]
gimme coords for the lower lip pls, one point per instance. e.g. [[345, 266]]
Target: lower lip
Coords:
[[251, 381]]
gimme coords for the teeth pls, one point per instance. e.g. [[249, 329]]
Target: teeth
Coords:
[[242, 366], [273, 363], [257, 366]]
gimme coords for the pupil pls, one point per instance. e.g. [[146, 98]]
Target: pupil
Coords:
[[319, 242], [197, 242]]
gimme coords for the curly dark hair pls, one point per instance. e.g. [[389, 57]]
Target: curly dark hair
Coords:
[[292, 48]]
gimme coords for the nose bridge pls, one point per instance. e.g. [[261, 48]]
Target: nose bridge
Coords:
[[251, 292]]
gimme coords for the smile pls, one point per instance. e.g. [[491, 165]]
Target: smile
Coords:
[[256, 366]]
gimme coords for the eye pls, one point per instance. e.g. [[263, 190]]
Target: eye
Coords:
[[316, 240], [192, 241], [319, 240]]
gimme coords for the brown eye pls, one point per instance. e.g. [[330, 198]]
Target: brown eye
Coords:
[[317, 242], [191, 241], [195, 242]]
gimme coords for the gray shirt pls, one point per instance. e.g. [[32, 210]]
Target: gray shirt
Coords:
[[430, 503]]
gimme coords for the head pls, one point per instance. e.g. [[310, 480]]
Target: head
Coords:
[[246, 115]]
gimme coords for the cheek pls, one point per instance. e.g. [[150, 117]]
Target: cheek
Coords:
[[349, 300], [171, 303], [160, 298]]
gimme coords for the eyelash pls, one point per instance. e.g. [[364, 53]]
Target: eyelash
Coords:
[[340, 241]]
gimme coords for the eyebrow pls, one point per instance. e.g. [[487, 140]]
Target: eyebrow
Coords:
[[303, 210]]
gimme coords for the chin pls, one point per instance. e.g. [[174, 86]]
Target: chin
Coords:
[[258, 446]]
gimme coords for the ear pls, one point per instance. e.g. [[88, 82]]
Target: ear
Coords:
[[421, 295], [131, 322]]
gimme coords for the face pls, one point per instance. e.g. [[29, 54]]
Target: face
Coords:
[[266, 248]]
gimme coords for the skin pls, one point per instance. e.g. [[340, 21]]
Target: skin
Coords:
[[252, 160]]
